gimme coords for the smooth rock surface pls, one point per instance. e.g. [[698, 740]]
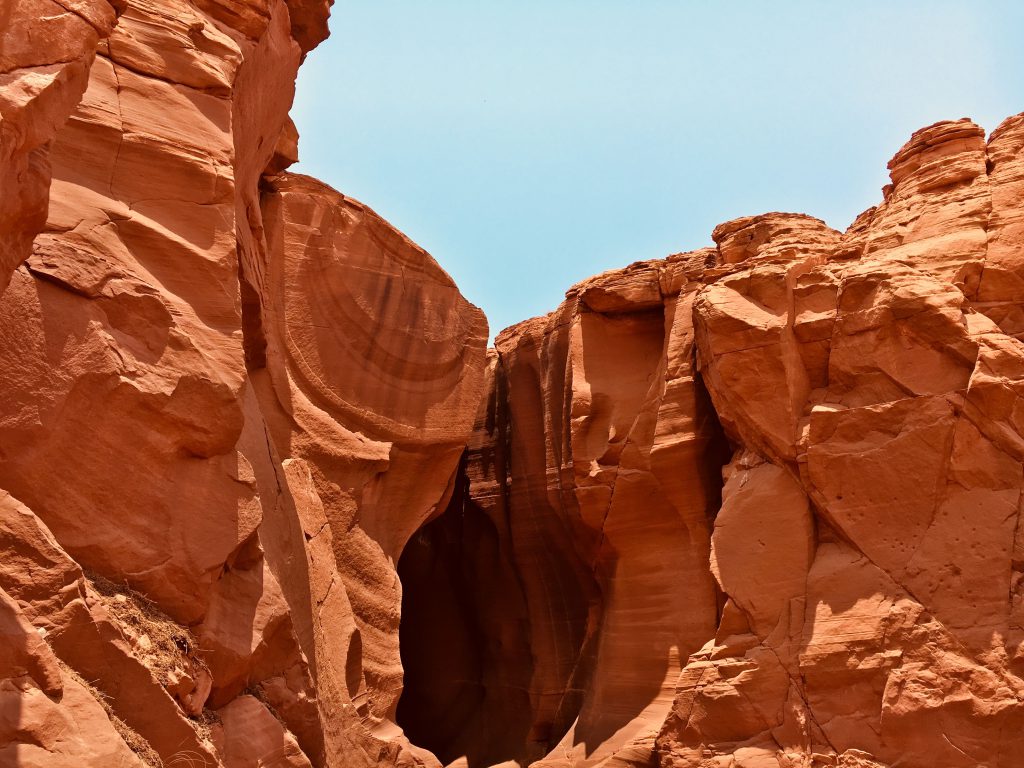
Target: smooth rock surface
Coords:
[[194, 481], [267, 500]]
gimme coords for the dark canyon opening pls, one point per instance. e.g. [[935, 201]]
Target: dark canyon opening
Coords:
[[464, 639], [505, 595]]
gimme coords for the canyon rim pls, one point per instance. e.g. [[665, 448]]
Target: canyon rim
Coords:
[[268, 499]]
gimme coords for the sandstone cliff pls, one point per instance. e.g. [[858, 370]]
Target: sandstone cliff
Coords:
[[266, 500], [230, 395], [762, 499]]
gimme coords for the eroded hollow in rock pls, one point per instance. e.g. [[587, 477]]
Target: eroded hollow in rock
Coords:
[[499, 651], [463, 639]]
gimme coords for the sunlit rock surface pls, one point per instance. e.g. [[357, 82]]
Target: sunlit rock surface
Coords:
[[217, 430], [267, 500], [761, 500]]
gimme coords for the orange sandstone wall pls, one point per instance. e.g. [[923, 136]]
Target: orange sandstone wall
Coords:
[[266, 499], [844, 591], [230, 395]]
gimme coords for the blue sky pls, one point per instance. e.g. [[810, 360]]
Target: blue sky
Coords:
[[530, 144]]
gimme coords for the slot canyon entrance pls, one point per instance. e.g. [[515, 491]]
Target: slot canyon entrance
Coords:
[[463, 639], [556, 601]]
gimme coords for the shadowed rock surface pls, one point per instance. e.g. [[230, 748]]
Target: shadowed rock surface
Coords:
[[267, 500]]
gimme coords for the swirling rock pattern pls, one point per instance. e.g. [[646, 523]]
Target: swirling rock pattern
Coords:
[[194, 450], [268, 500]]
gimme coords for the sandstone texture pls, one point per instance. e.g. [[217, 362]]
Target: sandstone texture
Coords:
[[230, 395], [761, 500], [266, 499]]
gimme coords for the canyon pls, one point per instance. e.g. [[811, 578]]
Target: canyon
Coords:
[[267, 498]]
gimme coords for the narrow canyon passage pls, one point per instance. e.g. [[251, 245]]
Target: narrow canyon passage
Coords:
[[266, 495], [549, 610], [463, 639]]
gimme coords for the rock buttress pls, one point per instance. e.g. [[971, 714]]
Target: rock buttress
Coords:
[[845, 592], [213, 472], [868, 532], [596, 465]]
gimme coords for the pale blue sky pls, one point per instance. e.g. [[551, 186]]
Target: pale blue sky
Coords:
[[528, 144]]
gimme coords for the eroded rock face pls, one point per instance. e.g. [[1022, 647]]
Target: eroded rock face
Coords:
[[885, 628], [213, 441], [46, 50], [843, 592], [265, 498]]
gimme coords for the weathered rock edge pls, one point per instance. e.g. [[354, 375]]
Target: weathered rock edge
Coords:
[[232, 396]]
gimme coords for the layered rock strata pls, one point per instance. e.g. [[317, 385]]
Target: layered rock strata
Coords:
[[844, 591], [230, 396], [267, 500]]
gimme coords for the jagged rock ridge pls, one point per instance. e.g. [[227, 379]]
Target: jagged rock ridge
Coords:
[[849, 595], [267, 500]]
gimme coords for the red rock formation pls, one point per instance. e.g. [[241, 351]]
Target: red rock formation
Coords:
[[46, 50], [266, 500], [849, 596], [223, 438], [594, 475], [889, 635]]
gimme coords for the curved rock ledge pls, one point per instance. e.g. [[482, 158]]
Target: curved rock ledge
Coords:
[[268, 500]]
